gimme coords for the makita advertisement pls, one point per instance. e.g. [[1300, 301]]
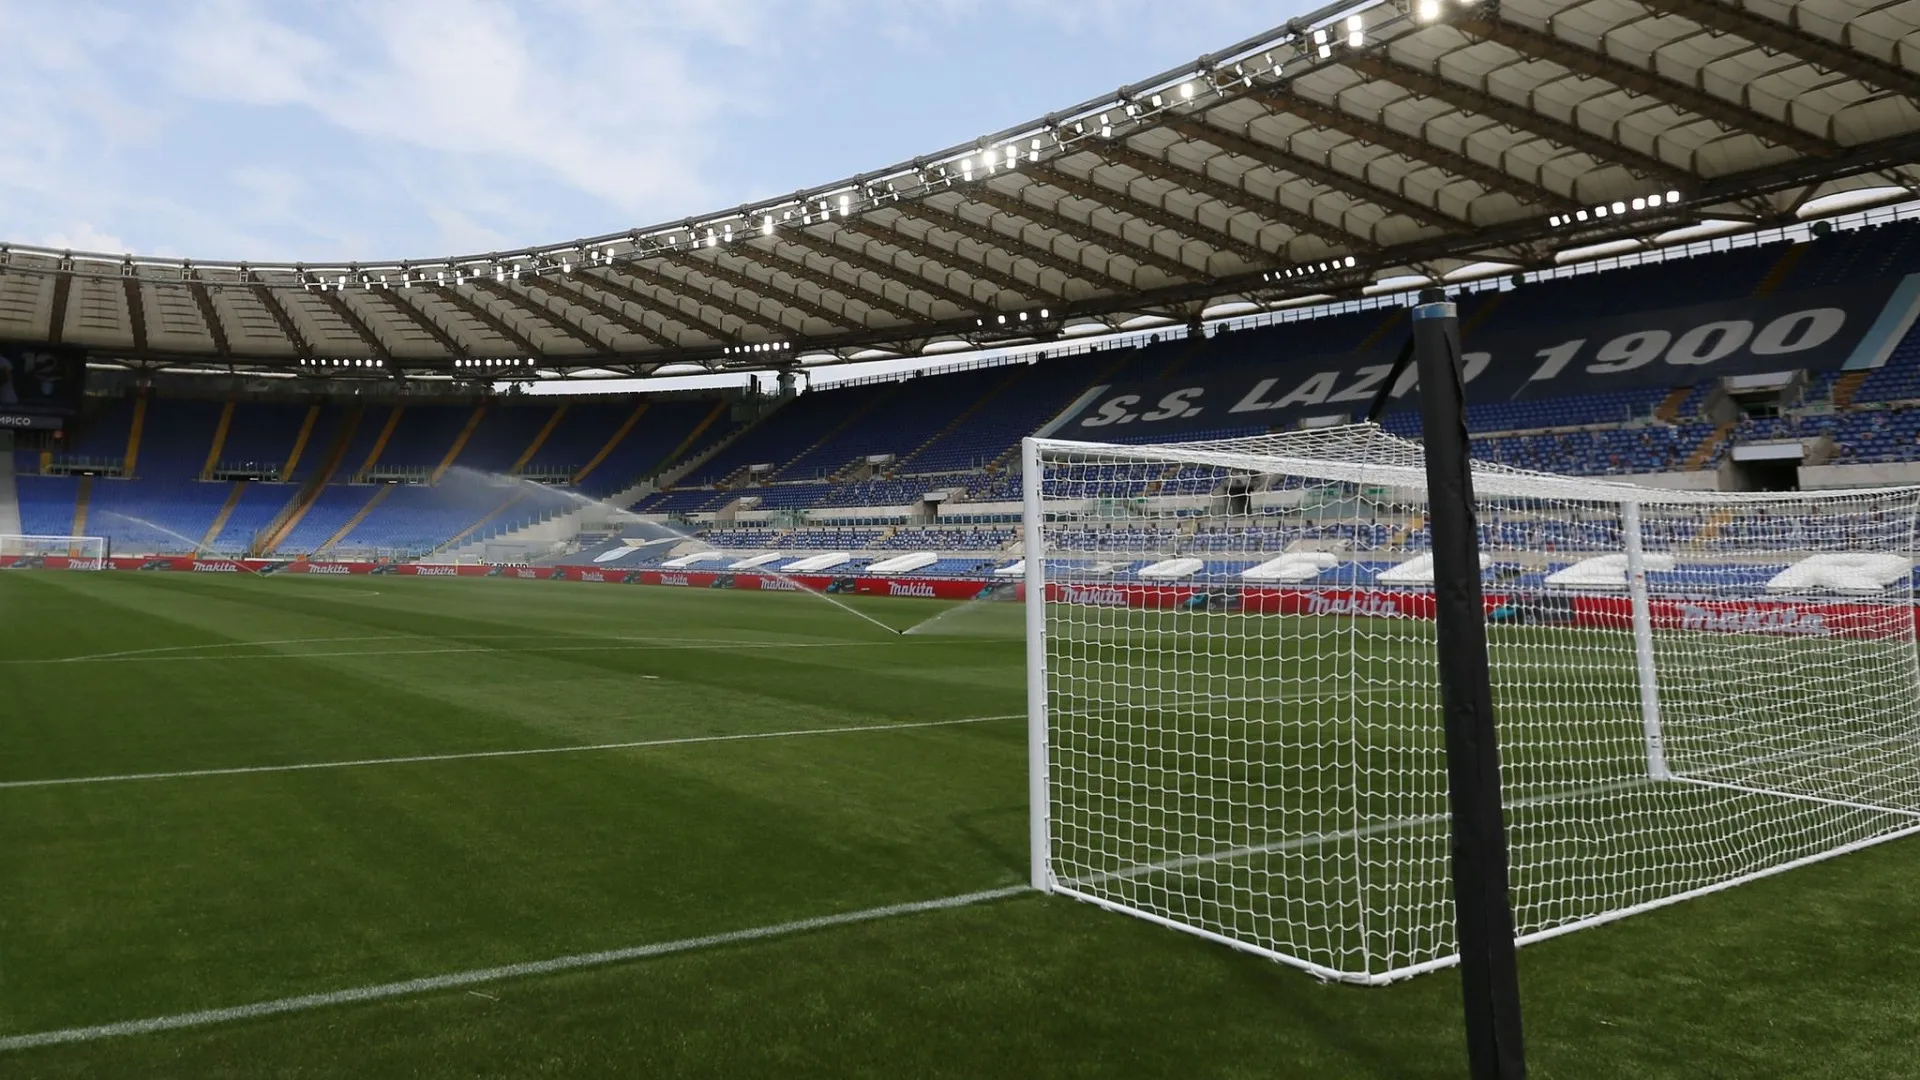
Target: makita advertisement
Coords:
[[1854, 328]]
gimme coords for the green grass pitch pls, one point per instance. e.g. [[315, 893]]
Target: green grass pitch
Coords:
[[749, 804]]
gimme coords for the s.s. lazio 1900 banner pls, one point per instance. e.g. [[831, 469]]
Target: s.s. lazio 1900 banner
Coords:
[[1851, 328]]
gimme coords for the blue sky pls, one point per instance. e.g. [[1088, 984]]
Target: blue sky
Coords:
[[296, 129]]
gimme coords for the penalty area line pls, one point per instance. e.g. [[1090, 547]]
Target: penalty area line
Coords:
[[462, 979], [413, 759]]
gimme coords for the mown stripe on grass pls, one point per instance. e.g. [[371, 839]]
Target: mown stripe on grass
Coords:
[[459, 979], [687, 740]]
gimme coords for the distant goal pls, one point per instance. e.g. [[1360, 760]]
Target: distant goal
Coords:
[[1235, 713], [57, 552]]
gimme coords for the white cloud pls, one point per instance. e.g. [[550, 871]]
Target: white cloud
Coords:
[[84, 237]]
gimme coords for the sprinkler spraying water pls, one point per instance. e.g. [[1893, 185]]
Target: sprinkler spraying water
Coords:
[[617, 514], [194, 547]]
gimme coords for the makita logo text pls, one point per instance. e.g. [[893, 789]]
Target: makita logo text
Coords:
[[433, 571], [592, 575], [1075, 594], [1319, 604], [778, 584], [217, 567], [524, 572], [673, 579], [329, 568], [916, 588], [1769, 620]]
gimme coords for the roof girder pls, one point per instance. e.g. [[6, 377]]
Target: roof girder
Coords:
[[1518, 117], [338, 303], [1052, 173], [1086, 232], [699, 294], [281, 318], [1119, 152], [528, 305], [57, 316], [972, 265], [1792, 40], [715, 269], [421, 319], [859, 259], [136, 312], [1015, 245], [451, 294], [1488, 25], [211, 317], [1359, 188], [773, 262], [694, 320], [1411, 147], [579, 294]]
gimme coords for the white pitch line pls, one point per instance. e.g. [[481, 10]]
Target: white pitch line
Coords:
[[462, 979], [636, 646], [688, 740]]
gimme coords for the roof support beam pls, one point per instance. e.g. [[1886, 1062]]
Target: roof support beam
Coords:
[[271, 301], [1488, 25], [335, 300], [774, 263], [575, 294], [1124, 201], [407, 310], [1123, 153], [696, 319], [210, 316], [977, 266], [136, 312], [57, 317], [1411, 147], [1015, 244], [1781, 37], [1518, 117], [953, 260], [533, 307], [1285, 160], [885, 271], [451, 294], [1149, 210], [747, 313], [713, 268], [1083, 232]]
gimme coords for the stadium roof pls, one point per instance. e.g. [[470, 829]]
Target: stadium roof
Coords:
[[1368, 141]]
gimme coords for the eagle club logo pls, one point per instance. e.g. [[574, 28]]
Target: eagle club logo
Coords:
[[1765, 620], [1370, 604], [1081, 594], [910, 588]]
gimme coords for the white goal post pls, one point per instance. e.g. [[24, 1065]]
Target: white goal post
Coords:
[[1235, 724], [66, 552]]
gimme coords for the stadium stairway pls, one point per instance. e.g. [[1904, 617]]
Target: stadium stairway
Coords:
[[539, 439], [220, 429], [359, 516], [1668, 410], [540, 534], [613, 441], [1845, 387], [226, 508], [379, 443], [455, 541], [9, 492], [83, 494], [129, 464], [284, 522], [300, 442], [459, 442], [1708, 447]]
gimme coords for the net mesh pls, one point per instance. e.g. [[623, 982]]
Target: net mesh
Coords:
[[69, 552], [1243, 713]]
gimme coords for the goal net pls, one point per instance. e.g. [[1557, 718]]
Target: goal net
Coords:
[[60, 552], [1236, 709]]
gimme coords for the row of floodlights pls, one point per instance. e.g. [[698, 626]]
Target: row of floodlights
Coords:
[[1325, 267], [1001, 320], [343, 362], [493, 362], [760, 347], [1618, 208]]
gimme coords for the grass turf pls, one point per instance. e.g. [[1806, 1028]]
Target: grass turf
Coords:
[[131, 899]]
